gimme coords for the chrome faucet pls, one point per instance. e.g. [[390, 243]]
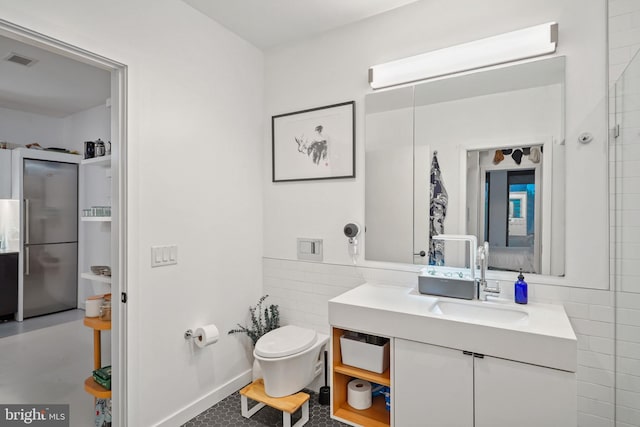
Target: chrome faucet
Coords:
[[483, 289]]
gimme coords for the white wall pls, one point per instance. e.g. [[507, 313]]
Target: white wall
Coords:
[[195, 116], [333, 67], [87, 125], [20, 128]]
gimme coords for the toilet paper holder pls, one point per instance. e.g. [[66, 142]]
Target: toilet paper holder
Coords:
[[203, 336], [188, 334]]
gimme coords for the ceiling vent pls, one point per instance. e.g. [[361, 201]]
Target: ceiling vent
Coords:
[[20, 59]]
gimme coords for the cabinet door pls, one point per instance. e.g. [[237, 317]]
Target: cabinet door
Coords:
[[8, 284], [509, 393], [433, 386]]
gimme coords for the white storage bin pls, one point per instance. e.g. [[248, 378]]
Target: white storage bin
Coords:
[[361, 355]]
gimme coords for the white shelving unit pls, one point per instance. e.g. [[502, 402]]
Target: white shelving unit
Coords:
[[103, 160], [95, 231], [95, 218], [96, 277]]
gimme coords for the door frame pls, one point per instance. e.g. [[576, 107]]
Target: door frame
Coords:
[[119, 208]]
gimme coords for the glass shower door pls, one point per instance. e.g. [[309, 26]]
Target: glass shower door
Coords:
[[625, 162]]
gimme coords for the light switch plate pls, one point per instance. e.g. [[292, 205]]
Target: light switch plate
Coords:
[[309, 249], [164, 255]]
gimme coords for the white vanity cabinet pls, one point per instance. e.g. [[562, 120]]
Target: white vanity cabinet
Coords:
[[510, 393], [458, 363], [451, 387], [432, 384]]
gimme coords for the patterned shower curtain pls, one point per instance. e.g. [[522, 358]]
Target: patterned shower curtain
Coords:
[[437, 213]]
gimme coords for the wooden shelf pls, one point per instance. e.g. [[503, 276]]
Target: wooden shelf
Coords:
[[90, 386], [97, 324], [383, 378], [376, 416], [95, 218], [102, 160], [95, 389]]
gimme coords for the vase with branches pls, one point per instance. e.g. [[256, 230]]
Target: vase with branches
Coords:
[[263, 320]]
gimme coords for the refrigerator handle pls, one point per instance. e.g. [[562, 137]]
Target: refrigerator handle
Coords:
[[27, 260], [26, 221]]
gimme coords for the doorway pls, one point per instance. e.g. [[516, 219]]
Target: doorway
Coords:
[[113, 231]]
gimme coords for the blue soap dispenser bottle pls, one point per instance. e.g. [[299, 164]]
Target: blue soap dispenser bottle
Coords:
[[521, 290]]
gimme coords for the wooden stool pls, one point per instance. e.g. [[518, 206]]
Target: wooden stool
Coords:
[[288, 404]]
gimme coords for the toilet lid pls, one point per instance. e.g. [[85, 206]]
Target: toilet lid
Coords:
[[285, 341]]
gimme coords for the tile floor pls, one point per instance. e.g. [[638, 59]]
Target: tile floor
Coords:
[[226, 413]]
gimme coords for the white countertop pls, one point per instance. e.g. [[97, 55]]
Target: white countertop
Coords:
[[544, 337]]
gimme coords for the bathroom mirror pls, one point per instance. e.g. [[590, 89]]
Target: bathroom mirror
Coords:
[[498, 138]]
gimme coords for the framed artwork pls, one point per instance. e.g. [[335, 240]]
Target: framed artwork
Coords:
[[318, 143]]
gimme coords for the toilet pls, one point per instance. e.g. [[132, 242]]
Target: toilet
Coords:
[[290, 358]]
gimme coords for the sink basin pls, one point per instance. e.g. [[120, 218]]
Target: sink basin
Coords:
[[479, 312]]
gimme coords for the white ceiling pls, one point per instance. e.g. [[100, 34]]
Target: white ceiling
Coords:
[[55, 86], [267, 23]]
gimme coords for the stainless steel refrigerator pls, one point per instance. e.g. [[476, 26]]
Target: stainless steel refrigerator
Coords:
[[50, 277]]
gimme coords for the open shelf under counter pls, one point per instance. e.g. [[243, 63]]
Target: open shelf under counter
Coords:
[[98, 161], [96, 277], [375, 416], [95, 218], [382, 379]]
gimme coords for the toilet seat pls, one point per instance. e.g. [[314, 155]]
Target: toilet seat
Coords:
[[285, 341]]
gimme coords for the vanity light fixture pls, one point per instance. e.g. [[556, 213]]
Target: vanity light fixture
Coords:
[[516, 45]]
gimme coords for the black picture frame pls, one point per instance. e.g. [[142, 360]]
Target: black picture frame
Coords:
[[314, 144]]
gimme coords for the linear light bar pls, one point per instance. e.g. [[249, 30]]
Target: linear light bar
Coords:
[[521, 44]]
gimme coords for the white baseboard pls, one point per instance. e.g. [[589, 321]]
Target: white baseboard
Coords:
[[190, 411]]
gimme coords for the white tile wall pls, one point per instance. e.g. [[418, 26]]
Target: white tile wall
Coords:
[[624, 35], [624, 43], [302, 289]]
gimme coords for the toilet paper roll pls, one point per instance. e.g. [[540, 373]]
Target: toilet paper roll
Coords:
[[359, 394], [206, 335]]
